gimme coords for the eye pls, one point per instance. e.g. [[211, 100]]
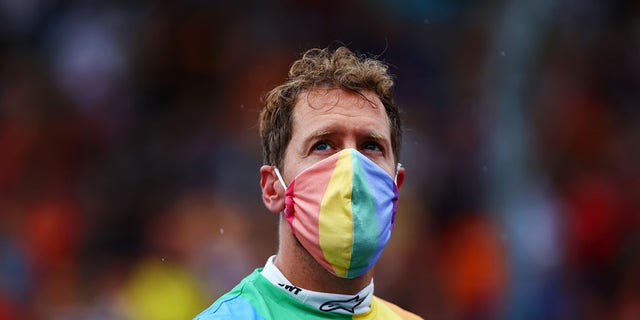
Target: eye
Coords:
[[321, 146], [372, 146]]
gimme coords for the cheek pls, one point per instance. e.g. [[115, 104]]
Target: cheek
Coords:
[[288, 164], [388, 167], [290, 170], [293, 169]]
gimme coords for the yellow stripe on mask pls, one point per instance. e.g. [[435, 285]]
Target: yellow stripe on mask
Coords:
[[335, 222]]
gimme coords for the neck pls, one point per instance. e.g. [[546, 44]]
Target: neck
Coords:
[[299, 267]]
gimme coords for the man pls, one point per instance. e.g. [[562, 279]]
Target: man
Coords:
[[331, 137]]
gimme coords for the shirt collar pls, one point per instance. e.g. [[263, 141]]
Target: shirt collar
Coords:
[[358, 303]]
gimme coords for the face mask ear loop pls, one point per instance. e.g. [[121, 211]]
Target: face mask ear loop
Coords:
[[284, 185], [395, 179]]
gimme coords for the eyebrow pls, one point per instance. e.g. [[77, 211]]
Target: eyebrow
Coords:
[[375, 136], [324, 133]]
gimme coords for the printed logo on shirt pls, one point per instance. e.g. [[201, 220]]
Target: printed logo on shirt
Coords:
[[347, 305], [295, 290]]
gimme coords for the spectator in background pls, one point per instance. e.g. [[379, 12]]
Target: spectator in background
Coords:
[[331, 136]]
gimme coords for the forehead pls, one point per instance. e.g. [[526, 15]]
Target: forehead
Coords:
[[336, 107]]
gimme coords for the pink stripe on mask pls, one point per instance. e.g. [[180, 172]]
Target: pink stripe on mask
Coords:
[[305, 195]]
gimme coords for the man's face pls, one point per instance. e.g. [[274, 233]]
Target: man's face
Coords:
[[326, 121]]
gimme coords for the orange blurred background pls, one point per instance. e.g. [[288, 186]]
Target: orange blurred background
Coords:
[[129, 153]]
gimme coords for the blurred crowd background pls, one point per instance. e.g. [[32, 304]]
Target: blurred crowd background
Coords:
[[129, 152]]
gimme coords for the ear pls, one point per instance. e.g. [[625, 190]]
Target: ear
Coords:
[[272, 190], [400, 178]]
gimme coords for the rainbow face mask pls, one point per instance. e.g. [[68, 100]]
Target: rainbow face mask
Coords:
[[342, 210]]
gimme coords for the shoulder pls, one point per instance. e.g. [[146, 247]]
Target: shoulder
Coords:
[[404, 314], [230, 307], [236, 304]]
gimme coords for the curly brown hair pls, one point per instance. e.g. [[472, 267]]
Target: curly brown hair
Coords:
[[342, 69]]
